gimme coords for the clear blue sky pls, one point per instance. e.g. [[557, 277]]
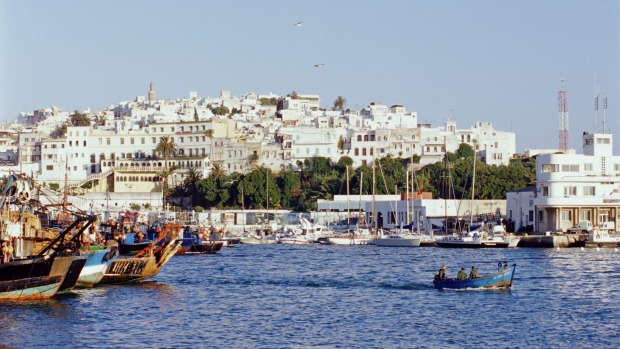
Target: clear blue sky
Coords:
[[496, 61]]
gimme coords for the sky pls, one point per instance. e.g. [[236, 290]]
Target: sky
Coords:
[[501, 62]]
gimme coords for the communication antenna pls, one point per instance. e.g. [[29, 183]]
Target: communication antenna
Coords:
[[604, 112], [563, 118], [596, 97]]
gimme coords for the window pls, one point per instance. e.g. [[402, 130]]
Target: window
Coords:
[[550, 168], [49, 167], [588, 167], [570, 190], [545, 191], [530, 216], [584, 215], [589, 191], [540, 215], [131, 140], [565, 215], [107, 141], [570, 168], [122, 140], [142, 140]]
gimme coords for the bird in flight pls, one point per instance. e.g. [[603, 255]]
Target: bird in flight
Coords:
[[298, 24], [320, 65]]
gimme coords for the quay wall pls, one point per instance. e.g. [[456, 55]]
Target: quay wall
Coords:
[[553, 241]]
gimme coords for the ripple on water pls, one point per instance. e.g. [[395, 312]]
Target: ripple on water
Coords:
[[286, 296]]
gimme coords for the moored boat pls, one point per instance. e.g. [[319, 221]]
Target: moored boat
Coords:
[[502, 278], [599, 238], [146, 263], [96, 265], [399, 240], [31, 278]]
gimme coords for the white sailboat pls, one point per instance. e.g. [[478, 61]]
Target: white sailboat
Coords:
[[358, 236]]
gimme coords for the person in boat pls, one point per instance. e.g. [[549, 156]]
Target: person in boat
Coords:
[[473, 273], [461, 275], [442, 273]]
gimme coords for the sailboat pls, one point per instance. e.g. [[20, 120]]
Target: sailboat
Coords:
[[477, 238], [360, 235], [266, 233]]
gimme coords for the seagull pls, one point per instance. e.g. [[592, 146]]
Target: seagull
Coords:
[[320, 65], [298, 24]]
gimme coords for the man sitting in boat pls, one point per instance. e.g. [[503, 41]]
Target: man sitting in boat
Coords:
[[442, 273], [473, 273], [461, 275]]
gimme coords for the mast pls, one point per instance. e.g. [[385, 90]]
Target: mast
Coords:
[[473, 187], [348, 211], [374, 220]]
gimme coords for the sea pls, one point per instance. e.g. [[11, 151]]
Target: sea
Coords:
[[318, 296]]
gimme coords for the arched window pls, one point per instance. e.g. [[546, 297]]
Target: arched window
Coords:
[[359, 138], [357, 152], [372, 151], [363, 151]]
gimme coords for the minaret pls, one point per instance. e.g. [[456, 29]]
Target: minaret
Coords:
[[151, 93]]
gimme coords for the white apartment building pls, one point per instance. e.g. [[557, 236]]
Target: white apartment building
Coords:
[[577, 187]]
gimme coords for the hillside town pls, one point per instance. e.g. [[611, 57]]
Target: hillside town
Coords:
[[114, 161]]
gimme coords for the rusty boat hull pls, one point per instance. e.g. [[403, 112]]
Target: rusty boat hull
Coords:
[[139, 268]]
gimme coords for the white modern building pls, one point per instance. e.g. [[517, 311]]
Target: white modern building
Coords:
[[576, 187]]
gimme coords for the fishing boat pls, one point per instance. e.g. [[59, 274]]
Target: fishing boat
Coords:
[[206, 247], [29, 272], [502, 278], [146, 263], [31, 278], [96, 264]]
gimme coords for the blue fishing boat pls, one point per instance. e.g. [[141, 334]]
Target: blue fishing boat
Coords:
[[499, 279], [96, 265]]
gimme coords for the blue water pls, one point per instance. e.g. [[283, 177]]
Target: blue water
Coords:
[[315, 296]]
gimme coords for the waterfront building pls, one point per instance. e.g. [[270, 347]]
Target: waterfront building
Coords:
[[575, 187], [394, 211]]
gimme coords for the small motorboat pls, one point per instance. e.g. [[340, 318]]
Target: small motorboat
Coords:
[[502, 278]]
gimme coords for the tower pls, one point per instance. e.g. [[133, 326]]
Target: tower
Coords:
[[604, 112], [563, 118], [151, 93]]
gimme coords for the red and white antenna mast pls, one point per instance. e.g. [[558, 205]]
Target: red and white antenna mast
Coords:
[[563, 118]]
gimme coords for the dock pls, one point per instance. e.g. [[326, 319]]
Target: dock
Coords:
[[553, 240]]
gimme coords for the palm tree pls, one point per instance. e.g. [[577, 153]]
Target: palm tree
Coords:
[[218, 171], [339, 103], [166, 147], [193, 176]]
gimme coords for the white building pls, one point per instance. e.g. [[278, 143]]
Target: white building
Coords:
[[577, 187]]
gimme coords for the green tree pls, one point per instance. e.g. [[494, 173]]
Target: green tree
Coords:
[[60, 130], [220, 110], [339, 103], [80, 119], [465, 150]]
